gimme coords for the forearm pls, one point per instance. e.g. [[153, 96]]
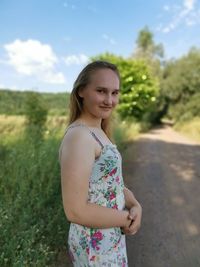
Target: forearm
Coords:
[[130, 199], [93, 215]]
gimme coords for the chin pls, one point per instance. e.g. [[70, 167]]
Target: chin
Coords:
[[106, 115], [103, 114]]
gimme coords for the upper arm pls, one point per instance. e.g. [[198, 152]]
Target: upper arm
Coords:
[[76, 161]]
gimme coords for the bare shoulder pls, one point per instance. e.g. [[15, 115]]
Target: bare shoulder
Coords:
[[77, 140]]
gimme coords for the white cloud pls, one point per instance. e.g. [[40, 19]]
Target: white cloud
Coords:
[[32, 58], [55, 78], [188, 14], [189, 4], [109, 39], [76, 59]]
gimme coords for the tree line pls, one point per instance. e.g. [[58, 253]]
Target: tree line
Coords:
[[15, 102], [151, 86]]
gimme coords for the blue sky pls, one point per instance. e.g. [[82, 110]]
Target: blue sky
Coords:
[[44, 44]]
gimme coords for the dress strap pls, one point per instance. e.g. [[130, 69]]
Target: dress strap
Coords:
[[91, 132], [96, 138]]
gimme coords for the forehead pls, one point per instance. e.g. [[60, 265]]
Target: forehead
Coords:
[[105, 78]]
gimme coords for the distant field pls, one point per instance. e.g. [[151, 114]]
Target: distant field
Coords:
[[11, 126]]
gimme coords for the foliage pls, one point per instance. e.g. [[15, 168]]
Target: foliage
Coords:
[[146, 48], [36, 115], [124, 131], [180, 87], [150, 52], [138, 88]]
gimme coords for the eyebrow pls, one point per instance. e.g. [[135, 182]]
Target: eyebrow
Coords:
[[104, 88]]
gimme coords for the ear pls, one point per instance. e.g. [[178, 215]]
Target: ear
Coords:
[[80, 92]]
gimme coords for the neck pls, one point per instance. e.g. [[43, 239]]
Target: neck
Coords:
[[91, 122]]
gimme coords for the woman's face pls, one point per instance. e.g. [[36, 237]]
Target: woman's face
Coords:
[[101, 95]]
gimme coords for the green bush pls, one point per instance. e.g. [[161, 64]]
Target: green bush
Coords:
[[36, 116], [185, 111]]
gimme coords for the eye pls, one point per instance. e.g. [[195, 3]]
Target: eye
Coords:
[[100, 91], [115, 92]]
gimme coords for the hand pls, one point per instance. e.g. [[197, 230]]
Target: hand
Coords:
[[135, 213], [128, 221]]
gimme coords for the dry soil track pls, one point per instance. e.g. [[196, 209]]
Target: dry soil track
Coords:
[[163, 170]]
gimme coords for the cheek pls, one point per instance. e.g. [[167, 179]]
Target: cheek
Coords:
[[97, 99], [93, 99], [115, 101]]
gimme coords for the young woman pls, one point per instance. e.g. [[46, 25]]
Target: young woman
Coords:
[[96, 202]]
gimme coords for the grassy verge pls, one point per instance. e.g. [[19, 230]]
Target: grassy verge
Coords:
[[190, 129]]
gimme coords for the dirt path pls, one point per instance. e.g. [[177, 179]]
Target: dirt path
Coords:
[[162, 168]]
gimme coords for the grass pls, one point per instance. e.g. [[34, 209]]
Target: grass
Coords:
[[190, 128], [11, 127], [124, 132], [33, 225]]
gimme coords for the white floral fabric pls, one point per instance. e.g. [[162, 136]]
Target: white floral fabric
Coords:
[[92, 247]]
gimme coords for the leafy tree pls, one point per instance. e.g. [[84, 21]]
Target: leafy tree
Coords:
[[36, 115], [180, 86], [147, 50]]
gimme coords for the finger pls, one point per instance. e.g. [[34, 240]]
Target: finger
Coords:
[[133, 233], [126, 231], [130, 217], [131, 223], [134, 227], [133, 215]]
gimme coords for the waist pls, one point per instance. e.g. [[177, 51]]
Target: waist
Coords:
[[98, 240]]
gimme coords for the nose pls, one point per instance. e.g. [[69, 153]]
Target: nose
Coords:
[[108, 100]]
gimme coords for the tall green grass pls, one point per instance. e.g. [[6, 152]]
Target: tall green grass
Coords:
[[33, 225]]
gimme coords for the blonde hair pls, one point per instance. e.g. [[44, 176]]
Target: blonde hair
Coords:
[[82, 81]]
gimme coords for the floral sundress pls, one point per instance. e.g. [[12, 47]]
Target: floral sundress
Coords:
[[92, 247]]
